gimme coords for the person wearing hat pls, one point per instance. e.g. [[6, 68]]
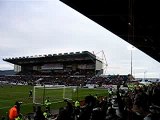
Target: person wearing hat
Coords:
[[14, 111]]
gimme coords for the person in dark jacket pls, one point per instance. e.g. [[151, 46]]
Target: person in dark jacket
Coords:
[[39, 114]]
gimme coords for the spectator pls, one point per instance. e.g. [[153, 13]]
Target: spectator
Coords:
[[39, 114], [66, 113], [86, 111], [111, 114], [14, 112]]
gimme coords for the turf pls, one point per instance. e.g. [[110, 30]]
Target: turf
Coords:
[[9, 95]]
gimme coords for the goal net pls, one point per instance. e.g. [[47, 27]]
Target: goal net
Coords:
[[55, 93]]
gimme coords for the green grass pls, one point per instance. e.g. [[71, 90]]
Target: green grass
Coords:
[[9, 95]]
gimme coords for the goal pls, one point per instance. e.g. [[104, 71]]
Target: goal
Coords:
[[56, 93]]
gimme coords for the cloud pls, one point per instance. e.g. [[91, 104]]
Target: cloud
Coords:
[[37, 27]]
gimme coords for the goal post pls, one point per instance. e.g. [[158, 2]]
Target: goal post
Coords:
[[55, 93]]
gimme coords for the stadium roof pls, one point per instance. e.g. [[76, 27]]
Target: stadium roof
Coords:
[[135, 21], [52, 58]]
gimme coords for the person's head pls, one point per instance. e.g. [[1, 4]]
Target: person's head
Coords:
[[38, 108], [90, 100], [18, 103]]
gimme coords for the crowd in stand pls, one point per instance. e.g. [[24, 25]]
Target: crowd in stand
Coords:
[[81, 80], [140, 103]]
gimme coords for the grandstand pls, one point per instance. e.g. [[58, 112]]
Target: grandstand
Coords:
[[78, 64]]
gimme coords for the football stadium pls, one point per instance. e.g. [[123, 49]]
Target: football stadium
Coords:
[[54, 83], [72, 86], [59, 77], [84, 64]]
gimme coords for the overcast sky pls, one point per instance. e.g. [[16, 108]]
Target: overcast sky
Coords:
[[37, 27]]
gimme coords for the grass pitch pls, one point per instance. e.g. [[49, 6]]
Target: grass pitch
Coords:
[[9, 95]]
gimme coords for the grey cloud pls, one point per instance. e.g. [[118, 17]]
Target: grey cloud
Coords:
[[31, 27]]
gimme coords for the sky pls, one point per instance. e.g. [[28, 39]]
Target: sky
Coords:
[[38, 27]]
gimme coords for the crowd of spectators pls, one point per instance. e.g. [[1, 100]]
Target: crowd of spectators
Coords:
[[140, 103], [69, 80]]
